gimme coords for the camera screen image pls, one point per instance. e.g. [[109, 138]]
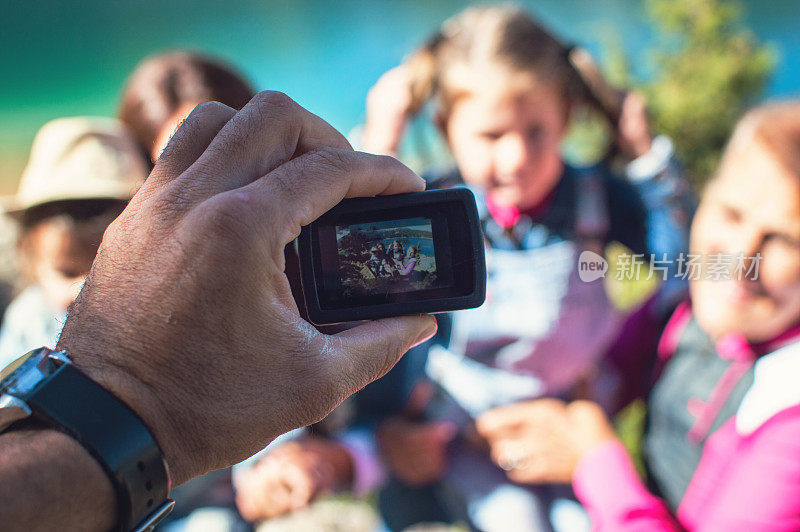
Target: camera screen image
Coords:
[[385, 257], [393, 255]]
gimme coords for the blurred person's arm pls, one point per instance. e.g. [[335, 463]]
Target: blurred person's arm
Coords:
[[748, 477], [548, 441], [415, 450], [193, 268], [367, 472], [388, 112], [292, 475], [667, 196], [291, 472], [607, 484], [758, 488]]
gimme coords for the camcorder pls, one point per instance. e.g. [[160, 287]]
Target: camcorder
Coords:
[[370, 258]]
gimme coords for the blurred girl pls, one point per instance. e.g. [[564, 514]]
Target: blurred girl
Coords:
[[504, 90], [722, 442], [164, 89]]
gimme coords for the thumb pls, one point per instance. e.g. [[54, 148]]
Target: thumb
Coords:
[[369, 351]]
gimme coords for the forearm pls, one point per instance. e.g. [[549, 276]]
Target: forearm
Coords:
[[607, 485], [367, 472], [667, 196], [407, 268], [49, 482], [669, 203]]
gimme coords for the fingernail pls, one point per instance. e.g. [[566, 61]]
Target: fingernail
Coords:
[[427, 333]]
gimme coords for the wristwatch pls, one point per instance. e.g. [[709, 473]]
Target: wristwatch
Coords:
[[46, 386]]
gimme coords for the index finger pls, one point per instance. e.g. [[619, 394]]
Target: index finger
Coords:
[[505, 419], [268, 131], [500, 421], [305, 188]]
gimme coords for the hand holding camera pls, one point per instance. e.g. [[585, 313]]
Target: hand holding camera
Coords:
[[208, 229]]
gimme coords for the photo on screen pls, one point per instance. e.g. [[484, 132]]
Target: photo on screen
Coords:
[[386, 257]]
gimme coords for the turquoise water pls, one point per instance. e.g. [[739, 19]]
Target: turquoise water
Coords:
[[64, 58], [426, 244]]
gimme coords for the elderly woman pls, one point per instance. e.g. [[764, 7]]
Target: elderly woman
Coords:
[[722, 442]]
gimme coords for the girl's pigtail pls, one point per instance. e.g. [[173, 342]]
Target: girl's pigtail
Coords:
[[592, 85], [423, 71]]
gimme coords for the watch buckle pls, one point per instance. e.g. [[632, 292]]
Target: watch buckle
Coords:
[[154, 518]]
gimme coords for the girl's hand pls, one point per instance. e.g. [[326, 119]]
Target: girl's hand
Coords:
[[415, 451], [633, 131], [291, 476], [543, 441], [388, 109]]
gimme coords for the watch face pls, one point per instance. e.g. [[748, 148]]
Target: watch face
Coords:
[[26, 372], [11, 368], [22, 374]]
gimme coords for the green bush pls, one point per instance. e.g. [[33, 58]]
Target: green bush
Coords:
[[707, 69]]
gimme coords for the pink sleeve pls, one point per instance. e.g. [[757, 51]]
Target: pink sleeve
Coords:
[[408, 267], [368, 472], [749, 482], [607, 484]]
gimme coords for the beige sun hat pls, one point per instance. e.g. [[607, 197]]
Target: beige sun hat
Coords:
[[79, 158]]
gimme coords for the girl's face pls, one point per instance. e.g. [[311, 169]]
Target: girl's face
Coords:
[[752, 207], [508, 142]]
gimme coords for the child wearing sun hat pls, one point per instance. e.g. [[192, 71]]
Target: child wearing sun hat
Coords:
[[80, 175]]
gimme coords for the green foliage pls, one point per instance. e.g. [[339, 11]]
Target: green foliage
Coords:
[[629, 425], [707, 69]]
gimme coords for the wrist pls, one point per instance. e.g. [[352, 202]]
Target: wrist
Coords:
[[102, 359], [652, 162], [641, 146]]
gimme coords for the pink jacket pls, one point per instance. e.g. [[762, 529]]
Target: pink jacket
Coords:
[[749, 473]]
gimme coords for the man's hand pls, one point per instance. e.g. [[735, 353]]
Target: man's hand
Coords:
[[187, 314], [543, 441], [291, 476]]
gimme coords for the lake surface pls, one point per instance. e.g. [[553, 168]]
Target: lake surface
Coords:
[[64, 58]]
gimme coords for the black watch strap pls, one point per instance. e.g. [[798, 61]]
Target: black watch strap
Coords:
[[115, 436]]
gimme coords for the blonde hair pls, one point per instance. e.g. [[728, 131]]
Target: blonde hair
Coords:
[[776, 128], [505, 36]]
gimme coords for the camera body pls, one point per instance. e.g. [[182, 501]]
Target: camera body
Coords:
[[370, 258]]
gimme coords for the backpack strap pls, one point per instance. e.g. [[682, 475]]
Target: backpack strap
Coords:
[[592, 222]]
